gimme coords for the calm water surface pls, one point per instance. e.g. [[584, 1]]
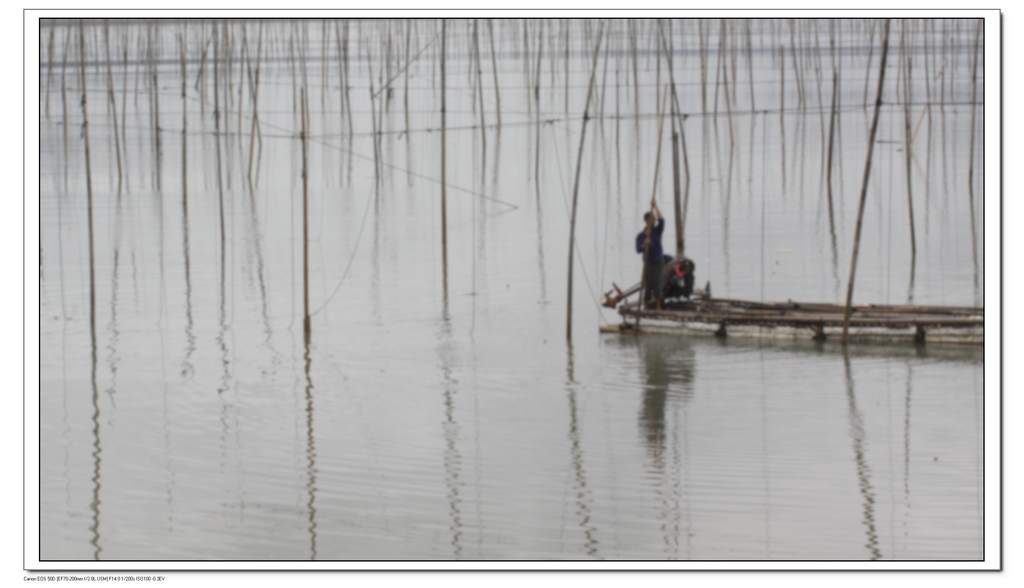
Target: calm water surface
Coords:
[[201, 424]]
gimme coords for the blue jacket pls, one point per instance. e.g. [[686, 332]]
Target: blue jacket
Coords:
[[655, 253]]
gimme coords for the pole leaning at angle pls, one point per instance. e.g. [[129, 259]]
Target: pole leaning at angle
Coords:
[[576, 182], [864, 183]]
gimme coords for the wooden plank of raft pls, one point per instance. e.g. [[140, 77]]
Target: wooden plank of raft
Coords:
[[826, 307], [809, 320]]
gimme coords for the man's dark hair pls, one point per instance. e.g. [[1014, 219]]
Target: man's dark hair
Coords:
[[648, 216]]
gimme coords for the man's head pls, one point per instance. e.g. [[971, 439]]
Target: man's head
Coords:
[[648, 219]]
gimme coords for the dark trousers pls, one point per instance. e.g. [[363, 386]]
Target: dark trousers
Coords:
[[652, 283]]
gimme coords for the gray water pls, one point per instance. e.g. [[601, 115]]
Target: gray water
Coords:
[[202, 425]]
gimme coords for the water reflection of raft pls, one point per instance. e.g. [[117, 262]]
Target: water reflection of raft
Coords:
[[819, 321]]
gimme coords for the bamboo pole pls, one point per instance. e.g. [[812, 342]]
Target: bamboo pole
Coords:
[[155, 94], [782, 112], [797, 77], [49, 69], [970, 159], [576, 181], [676, 195], [216, 141], [243, 67], [908, 142], [88, 185], [405, 92], [254, 90], [867, 70], [373, 125], [347, 84], [184, 124], [636, 78], [113, 102], [444, 161], [494, 71], [305, 214], [567, 24], [64, 104], [526, 65], [831, 143], [124, 113], [750, 66], [677, 129], [604, 82], [200, 83], [480, 97], [536, 98], [702, 42], [864, 182]]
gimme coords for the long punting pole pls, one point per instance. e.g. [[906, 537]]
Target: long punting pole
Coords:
[[444, 166], [654, 194], [677, 130], [864, 182], [676, 191], [576, 181]]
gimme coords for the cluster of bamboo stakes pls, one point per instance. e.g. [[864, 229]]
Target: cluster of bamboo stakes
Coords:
[[396, 48]]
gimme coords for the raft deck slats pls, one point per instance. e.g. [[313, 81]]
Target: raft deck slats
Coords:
[[733, 304], [814, 317]]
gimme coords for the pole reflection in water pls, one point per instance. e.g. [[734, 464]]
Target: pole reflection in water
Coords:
[[668, 371], [94, 505], [452, 457], [582, 491], [310, 447], [863, 470], [906, 450]]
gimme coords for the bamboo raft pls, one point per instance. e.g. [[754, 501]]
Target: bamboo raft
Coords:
[[724, 317]]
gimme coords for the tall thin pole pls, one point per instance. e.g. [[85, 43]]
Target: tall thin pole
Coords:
[[576, 181], [49, 69], [908, 143], [64, 104], [155, 93], [831, 143], [782, 112], [184, 126], [480, 97], [254, 81], [88, 185], [113, 102], [970, 164], [864, 182], [405, 93], [444, 165], [494, 71], [216, 141], [676, 193], [305, 217]]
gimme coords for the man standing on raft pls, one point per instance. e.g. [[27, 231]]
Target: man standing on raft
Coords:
[[648, 244]]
